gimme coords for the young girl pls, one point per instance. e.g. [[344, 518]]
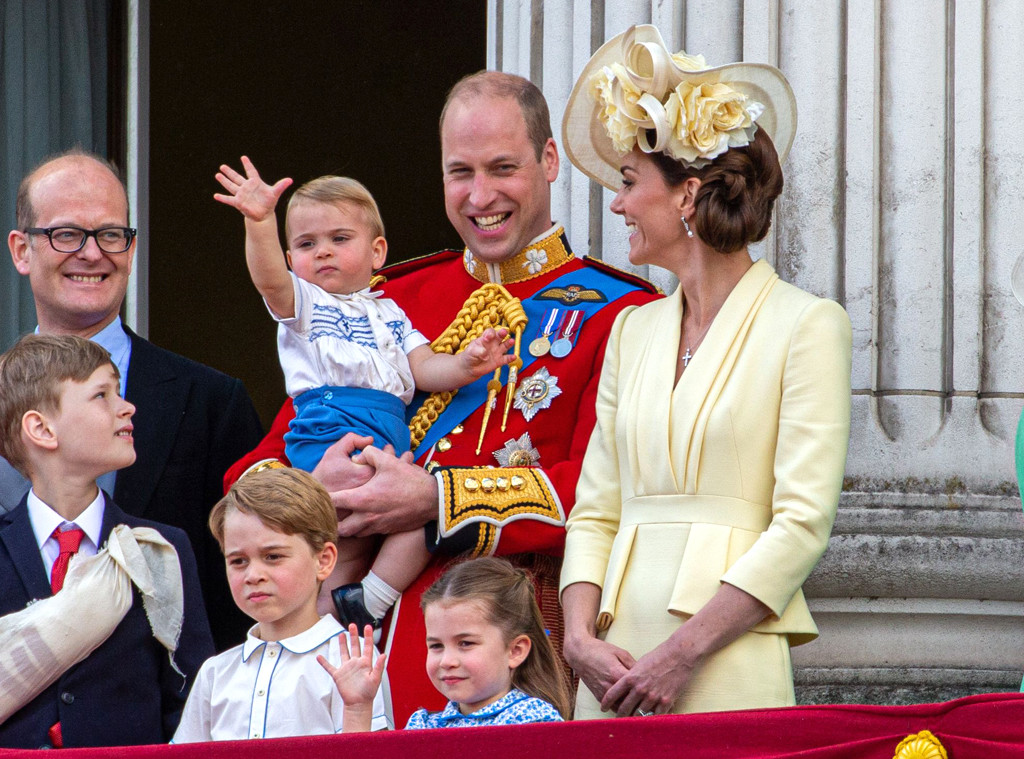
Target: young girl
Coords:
[[487, 652]]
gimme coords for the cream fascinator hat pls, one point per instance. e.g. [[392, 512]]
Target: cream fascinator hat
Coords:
[[632, 84]]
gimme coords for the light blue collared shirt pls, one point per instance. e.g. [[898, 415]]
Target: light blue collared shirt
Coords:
[[115, 340]]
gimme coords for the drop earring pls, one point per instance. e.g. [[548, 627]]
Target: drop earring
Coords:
[[689, 232]]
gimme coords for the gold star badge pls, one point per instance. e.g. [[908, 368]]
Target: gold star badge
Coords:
[[517, 453]]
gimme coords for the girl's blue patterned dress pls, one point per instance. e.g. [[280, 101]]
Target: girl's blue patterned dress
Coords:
[[514, 708]]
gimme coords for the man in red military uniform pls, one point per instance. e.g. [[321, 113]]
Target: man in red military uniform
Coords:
[[477, 489]]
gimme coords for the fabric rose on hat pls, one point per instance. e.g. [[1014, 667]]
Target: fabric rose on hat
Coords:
[[688, 62], [664, 102], [616, 96], [707, 119]]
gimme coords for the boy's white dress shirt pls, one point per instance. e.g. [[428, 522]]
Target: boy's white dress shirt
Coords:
[[45, 520], [264, 689]]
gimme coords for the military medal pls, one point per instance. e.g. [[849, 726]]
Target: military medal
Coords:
[[563, 345], [542, 344], [517, 453], [536, 393]]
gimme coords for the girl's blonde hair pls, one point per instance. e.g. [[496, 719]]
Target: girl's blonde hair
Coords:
[[508, 597]]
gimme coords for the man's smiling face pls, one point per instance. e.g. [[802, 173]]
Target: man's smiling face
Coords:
[[497, 194], [75, 293]]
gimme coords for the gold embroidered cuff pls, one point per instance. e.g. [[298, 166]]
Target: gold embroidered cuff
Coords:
[[486, 540], [495, 496]]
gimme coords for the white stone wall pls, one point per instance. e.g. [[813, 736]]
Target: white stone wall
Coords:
[[904, 201]]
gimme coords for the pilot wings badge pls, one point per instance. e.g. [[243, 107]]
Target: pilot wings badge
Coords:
[[572, 294]]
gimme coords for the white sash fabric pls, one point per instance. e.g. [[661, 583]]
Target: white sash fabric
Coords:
[[52, 635]]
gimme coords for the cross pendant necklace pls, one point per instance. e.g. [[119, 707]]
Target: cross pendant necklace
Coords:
[[688, 356]]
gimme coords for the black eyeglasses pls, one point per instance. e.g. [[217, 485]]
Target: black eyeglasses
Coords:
[[73, 239]]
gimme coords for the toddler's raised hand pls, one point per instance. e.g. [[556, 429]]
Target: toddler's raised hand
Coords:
[[358, 677], [250, 195], [487, 352]]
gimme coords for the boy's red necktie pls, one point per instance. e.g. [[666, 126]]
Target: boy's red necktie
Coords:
[[69, 541]]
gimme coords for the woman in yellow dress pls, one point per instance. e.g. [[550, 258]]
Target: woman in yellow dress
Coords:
[[712, 477]]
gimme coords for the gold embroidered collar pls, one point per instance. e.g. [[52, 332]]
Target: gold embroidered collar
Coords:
[[537, 258]]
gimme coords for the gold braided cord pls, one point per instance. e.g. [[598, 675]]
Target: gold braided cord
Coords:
[[489, 306]]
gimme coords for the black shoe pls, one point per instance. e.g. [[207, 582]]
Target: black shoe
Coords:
[[348, 602]]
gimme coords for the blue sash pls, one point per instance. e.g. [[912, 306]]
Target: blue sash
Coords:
[[469, 398]]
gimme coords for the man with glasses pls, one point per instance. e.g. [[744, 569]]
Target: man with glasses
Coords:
[[74, 244]]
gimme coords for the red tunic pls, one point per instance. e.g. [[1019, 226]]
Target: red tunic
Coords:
[[431, 290]]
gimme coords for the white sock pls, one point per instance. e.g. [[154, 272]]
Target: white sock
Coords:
[[378, 595]]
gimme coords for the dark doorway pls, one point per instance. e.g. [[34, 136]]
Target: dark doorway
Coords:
[[304, 88]]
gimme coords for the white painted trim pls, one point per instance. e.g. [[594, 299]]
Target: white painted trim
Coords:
[[137, 164]]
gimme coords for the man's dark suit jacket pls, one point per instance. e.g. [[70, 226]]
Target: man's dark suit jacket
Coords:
[[125, 692], [191, 423]]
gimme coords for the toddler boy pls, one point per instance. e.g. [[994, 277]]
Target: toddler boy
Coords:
[[351, 360], [63, 423], [277, 529]]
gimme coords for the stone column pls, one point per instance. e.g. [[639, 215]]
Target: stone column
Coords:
[[904, 202]]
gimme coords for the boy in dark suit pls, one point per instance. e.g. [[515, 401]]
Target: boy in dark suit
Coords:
[[62, 424]]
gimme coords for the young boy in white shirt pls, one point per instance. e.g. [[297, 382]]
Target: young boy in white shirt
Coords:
[[351, 360], [277, 529], [63, 423]]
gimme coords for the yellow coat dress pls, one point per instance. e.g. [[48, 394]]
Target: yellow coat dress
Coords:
[[733, 475]]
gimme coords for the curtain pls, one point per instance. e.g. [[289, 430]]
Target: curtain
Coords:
[[53, 96]]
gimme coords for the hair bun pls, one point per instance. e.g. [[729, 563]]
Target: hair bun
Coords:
[[734, 187], [736, 194]]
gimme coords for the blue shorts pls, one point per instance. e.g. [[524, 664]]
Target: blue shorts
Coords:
[[323, 415]]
